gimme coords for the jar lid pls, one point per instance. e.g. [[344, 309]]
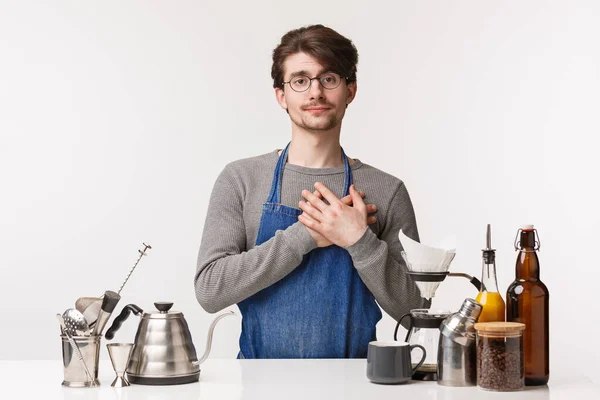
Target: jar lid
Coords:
[[500, 327]]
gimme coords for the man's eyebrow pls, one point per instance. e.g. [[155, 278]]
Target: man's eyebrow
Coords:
[[303, 72]]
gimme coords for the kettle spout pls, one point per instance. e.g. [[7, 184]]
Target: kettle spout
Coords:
[[210, 334]]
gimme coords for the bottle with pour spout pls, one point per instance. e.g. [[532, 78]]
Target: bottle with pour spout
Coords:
[[489, 296]]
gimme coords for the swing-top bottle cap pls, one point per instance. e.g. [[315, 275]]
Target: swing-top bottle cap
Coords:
[[527, 227]]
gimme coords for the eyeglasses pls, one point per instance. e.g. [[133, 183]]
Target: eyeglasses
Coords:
[[301, 83]]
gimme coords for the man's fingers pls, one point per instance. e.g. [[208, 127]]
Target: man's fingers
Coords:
[[347, 200], [314, 200], [371, 220], [307, 221], [307, 217], [328, 194], [310, 210], [356, 199]]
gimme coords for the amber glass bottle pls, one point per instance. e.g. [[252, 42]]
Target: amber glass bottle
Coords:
[[527, 300]]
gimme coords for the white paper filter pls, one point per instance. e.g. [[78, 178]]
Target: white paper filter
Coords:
[[423, 258]]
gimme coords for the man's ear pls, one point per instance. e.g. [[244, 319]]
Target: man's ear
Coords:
[[280, 96], [351, 92]]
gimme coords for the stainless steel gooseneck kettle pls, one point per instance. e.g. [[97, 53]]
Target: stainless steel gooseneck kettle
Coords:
[[164, 353]]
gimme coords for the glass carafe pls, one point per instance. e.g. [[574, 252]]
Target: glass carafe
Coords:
[[424, 329]]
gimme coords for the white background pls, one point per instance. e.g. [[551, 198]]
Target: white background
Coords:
[[116, 118]]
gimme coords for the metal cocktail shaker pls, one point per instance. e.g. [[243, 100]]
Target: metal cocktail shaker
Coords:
[[457, 356]]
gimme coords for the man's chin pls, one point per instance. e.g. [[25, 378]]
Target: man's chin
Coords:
[[318, 125]]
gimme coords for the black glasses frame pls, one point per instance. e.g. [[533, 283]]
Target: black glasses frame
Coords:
[[311, 79]]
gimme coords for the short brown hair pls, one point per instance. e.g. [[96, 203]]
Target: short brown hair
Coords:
[[332, 50]]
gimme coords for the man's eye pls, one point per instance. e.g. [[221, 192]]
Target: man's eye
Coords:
[[299, 81]]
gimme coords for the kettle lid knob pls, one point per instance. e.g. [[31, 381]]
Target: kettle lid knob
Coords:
[[163, 306]]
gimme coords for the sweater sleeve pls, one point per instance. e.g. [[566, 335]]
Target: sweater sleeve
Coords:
[[226, 272], [380, 264]]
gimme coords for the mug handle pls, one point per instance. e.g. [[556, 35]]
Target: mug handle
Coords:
[[410, 320], [422, 359]]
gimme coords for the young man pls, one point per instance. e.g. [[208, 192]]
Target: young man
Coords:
[[287, 236]]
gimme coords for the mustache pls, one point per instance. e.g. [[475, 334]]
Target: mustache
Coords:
[[317, 105]]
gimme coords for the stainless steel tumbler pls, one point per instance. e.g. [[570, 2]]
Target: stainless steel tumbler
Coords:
[[74, 371]]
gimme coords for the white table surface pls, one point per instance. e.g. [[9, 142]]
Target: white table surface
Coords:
[[272, 379]]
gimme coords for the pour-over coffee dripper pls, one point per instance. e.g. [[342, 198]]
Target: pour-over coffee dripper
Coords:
[[423, 276], [427, 266]]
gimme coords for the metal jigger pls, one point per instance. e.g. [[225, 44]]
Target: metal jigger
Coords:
[[119, 356]]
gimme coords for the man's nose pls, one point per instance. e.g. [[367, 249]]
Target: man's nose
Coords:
[[316, 89]]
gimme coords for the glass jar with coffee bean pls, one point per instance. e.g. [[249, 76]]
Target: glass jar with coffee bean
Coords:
[[500, 356]]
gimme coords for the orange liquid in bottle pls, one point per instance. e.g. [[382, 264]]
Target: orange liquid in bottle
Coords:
[[493, 307]]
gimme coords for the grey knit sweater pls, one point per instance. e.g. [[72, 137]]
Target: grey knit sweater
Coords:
[[231, 267]]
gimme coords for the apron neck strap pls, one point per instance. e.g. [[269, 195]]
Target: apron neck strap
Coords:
[[275, 193]]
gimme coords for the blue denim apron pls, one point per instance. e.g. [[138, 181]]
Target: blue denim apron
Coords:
[[322, 309]]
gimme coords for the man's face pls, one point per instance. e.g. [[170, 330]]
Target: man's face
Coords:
[[317, 108]]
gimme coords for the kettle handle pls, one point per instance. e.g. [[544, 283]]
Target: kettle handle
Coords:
[[110, 333], [409, 327]]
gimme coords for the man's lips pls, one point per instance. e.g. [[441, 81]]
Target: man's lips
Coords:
[[316, 109]]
